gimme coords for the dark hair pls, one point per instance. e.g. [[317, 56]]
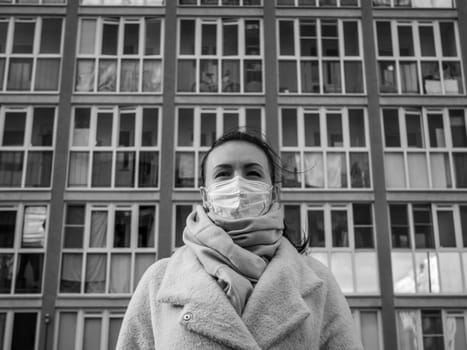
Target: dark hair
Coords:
[[275, 167]]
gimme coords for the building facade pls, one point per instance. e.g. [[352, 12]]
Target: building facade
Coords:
[[108, 106]]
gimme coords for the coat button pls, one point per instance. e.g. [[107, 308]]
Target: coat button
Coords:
[[187, 317]]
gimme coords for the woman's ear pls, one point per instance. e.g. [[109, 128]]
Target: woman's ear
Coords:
[[275, 193], [204, 197]]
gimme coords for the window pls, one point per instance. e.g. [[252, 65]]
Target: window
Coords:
[[123, 2], [34, 2], [419, 57], [431, 329], [119, 55], [320, 3], [19, 330], [425, 148], [320, 56], [428, 254], [26, 146], [181, 212], [197, 128], [30, 54], [114, 148], [341, 237], [414, 3], [368, 324], [220, 2], [88, 329], [107, 248], [220, 56], [324, 148], [23, 243]]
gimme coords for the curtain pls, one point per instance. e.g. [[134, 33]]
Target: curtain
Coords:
[[39, 169], [34, 227], [19, 77], [450, 272], [314, 170], [98, 233], [70, 280], [120, 273], [291, 169], [408, 330], [152, 76], [185, 169], [107, 76], [95, 273], [11, 168], [6, 272], [409, 77], [359, 170], [129, 76], [332, 77], [47, 72], [78, 171], [336, 170], [85, 76], [310, 76]]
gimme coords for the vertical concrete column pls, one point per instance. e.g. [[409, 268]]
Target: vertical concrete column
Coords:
[[56, 208], [270, 73], [168, 125], [462, 25], [377, 159]]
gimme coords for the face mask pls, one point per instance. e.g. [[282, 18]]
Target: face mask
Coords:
[[238, 198]]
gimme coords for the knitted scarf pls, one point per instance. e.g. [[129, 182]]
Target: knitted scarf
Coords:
[[234, 251]]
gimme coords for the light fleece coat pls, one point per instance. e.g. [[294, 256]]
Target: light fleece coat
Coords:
[[295, 305]]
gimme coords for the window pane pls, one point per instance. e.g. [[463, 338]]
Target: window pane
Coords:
[[39, 169], [253, 76], [341, 267], [448, 41], [74, 227], [357, 128], [291, 169], [334, 126], [125, 169], [126, 136], [409, 77], [11, 168], [43, 127], [383, 30], [187, 37], [29, 273], [66, 330], [460, 168], [185, 127], [88, 36], [447, 236], [427, 40], [414, 131], [109, 38], [208, 76], [230, 122], [418, 170], [286, 37], [351, 42], [363, 226], [407, 330], [131, 39], [114, 329], [95, 275], [452, 77], [92, 333], [403, 273], [146, 226], [101, 169], [292, 223], [423, 226], [3, 36], [253, 120], [308, 42], [395, 170], [120, 273], [387, 76], [51, 35], [34, 227], [369, 329], [440, 170], [399, 226], [405, 41], [332, 77], [314, 169], [359, 170], [312, 130], [340, 230], [450, 272], [148, 169], [14, 128], [2, 72], [458, 128], [142, 262], [455, 333], [153, 36], [7, 228], [6, 263], [152, 75], [310, 76], [185, 169], [436, 129], [316, 228], [366, 273], [463, 214], [336, 170], [231, 76], [431, 78], [329, 38], [20, 73], [129, 76], [98, 233], [70, 280], [230, 37], [186, 76], [181, 213], [85, 76], [107, 76], [122, 229], [353, 77], [209, 39], [289, 127], [78, 169], [287, 76], [23, 37], [150, 126], [208, 129], [104, 129], [24, 331], [252, 38]]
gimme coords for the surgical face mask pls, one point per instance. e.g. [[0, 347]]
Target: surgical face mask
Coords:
[[238, 198]]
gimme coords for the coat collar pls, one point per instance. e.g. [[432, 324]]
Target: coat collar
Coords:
[[207, 311]]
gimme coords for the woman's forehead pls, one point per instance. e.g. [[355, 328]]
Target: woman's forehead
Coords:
[[236, 152]]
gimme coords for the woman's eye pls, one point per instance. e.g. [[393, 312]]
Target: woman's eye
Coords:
[[221, 174], [254, 174]]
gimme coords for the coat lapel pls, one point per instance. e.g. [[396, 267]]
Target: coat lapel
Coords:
[[206, 310], [276, 306]]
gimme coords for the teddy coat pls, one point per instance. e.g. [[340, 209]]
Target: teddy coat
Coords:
[[295, 305]]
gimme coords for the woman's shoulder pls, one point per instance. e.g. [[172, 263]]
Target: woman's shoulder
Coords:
[[155, 272]]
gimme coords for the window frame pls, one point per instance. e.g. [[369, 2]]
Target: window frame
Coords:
[[9, 326]]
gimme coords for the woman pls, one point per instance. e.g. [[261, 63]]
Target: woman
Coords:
[[238, 283]]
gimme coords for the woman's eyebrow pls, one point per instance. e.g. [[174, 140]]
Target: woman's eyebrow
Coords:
[[254, 164], [222, 167]]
